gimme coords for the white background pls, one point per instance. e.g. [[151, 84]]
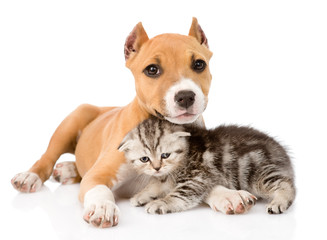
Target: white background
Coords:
[[269, 71]]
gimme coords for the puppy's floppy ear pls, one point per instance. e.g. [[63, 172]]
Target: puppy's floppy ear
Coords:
[[135, 40], [197, 32]]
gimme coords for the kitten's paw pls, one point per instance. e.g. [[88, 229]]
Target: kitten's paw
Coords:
[[277, 206], [282, 199], [140, 200], [158, 207], [103, 214], [231, 201], [26, 182], [66, 173]]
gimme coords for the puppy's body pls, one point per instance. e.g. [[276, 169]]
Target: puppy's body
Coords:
[[172, 81]]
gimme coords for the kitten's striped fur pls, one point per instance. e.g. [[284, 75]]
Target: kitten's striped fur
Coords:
[[224, 167]]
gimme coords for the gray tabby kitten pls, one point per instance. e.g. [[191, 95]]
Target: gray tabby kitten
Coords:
[[224, 167]]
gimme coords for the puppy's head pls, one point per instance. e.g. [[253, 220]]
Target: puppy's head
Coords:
[[171, 72]]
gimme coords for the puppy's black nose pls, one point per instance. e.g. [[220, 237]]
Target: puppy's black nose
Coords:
[[185, 99]]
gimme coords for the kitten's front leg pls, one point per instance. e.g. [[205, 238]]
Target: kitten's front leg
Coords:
[[180, 199], [164, 205], [155, 189]]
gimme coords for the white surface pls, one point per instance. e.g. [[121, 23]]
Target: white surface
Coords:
[[269, 71]]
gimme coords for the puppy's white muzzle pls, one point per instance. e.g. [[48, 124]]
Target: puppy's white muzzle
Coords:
[[185, 102]]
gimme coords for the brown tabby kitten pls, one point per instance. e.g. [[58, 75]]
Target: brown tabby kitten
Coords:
[[190, 165]]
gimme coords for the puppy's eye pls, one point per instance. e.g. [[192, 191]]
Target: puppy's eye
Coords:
[[165, 155], [144, 159], [152, 71], [199, 65]]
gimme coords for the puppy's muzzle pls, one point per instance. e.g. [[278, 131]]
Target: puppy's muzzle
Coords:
[[184, 102], [185, 99]]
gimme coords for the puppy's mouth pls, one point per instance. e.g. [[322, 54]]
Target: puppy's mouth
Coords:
[[183, 102], [182, 118], [186, 115]]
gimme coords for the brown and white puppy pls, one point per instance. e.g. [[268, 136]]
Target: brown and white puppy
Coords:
[[172, 81]]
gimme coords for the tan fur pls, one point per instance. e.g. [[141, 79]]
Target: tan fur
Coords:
[[100, 130], [172, 56]]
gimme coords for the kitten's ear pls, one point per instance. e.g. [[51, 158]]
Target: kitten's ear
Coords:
[[181, 134], [125, 144]]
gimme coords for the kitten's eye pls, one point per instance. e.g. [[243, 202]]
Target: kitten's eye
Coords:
[[152, 71], [199, 65], [144, 159], [165, 155]]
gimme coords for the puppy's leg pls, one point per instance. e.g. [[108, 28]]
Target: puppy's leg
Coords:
[[104, 172], [64, 140], [100, 209]]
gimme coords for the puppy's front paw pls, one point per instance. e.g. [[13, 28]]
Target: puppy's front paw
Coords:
[[158, 207], [102, 214], [100, 209], [26, 182]]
